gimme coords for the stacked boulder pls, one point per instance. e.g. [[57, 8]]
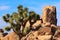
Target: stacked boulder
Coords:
[[49, 15]]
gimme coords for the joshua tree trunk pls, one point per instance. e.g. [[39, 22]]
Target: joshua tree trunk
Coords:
[[19, 35]]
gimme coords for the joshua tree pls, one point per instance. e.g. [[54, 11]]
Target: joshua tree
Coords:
[[19, 19]]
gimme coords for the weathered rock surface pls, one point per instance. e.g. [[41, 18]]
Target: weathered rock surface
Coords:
[[45, 31], [47, 24], [35, 35], [45, 37], [11, 36], [57, 35], [37, 24], [49, 15]]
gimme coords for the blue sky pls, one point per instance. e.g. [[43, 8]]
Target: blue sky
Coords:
[[9, 6]]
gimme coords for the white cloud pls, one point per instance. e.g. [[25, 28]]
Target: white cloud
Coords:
[[4, 8]]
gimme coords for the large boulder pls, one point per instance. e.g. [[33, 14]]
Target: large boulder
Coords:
[[49, 15], [36, 24], [45, 31], [11, 36]]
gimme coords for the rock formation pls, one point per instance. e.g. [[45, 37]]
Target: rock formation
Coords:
[[11, 36], [49, 15]]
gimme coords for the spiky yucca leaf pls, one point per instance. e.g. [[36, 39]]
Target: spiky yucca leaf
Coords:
[[32, 14], [20, 7], [20, 10], [7, 28], [5, 19], [7, 15], [15, 16]]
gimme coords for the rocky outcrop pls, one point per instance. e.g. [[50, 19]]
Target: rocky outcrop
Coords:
[[49, 15], [44, 33], [11, 36]]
